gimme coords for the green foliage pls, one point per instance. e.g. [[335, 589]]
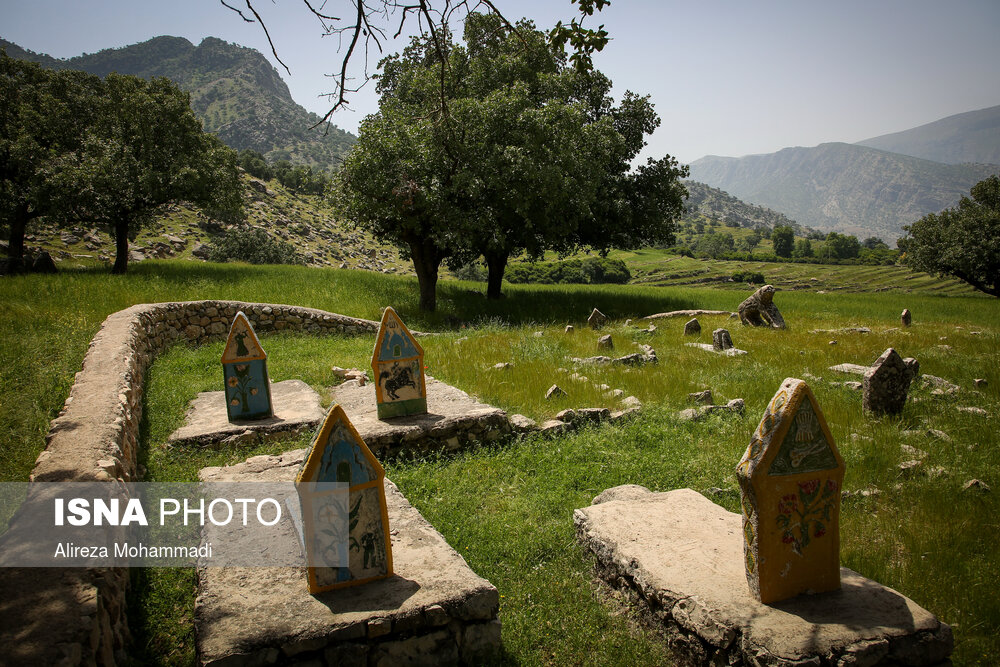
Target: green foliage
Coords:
[[715, 244], [840, 246], [586, 271], [803, 248], [963, 241], [752, 277], [783, 239], [254, 164], [254, 246], [300, 178]]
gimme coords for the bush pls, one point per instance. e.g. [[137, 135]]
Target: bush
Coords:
[[754, 278], [254, 246], [592, 270]]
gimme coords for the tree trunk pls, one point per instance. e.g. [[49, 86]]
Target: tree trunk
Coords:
[[15, 245], [496, 263], [426, 260], [121, 246]]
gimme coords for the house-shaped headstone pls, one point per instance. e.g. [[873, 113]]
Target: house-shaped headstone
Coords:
[[886, 384], [345, 523], [790, 478], [597, 319], [398, 366], [244, 363]]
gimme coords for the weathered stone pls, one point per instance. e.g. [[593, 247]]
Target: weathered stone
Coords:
[[592, 361], [597, 319], [692, 327], [686, 313], [731, 352], [905, 318], [721, 340], [678, 557], [913, 366], [296, 408], [790, 478], [976, 485], [398, 367], [972, 410], [569, 328], [554, 392], [605, 343], [395, 620], [42, 263], [759, 310], [502, 366], [855, 369], [631, 402], [912, 452], [522, 424], [702, 397], [980, 383], [909, 468], [885, 385], [553, 427]]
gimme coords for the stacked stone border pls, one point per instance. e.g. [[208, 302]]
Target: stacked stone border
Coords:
[[78, 616]]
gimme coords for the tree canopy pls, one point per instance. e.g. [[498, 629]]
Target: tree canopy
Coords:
[[783, 240], [530, 155], [963, 241]]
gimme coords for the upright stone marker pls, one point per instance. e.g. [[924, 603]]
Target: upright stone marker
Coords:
[[721, 340], [759, 310], [398, 365], [244, 363], [345, 522], [905, 318], [692, 327], [886, 384], [790, 477], [597, 319]]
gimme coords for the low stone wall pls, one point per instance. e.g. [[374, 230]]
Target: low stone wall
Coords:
[[78, 616]]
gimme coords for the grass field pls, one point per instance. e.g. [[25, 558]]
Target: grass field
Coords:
[[508, 508]]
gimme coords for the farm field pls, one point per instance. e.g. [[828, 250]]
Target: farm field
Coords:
[[508, 508]]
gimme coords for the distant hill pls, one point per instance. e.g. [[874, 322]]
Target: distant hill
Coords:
[[710, 203], [966, 137], [234, 90], [843, 187]]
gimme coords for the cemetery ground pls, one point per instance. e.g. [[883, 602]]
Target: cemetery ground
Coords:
[[507, 508]]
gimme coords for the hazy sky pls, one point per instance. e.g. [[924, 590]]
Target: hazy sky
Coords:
[[727, 78]]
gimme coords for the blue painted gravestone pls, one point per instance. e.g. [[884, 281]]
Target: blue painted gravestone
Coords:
[[398, 365], [248, 390], [345, 521]]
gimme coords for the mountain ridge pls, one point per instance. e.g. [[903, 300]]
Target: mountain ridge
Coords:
[[968, 137], [235, 91]]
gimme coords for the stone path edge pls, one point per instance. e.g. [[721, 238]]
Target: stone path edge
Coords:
[[78, 616]]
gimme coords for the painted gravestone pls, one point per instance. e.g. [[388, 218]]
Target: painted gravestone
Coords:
[[790, 478], [248, 390], [345, 522], [398, 365]]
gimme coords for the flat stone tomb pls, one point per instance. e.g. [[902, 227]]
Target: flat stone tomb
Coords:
[[433, 609], [296, 408], [678, 558], [790, 478], [453, 420], [244, 363], [398, 366], [345, 524]]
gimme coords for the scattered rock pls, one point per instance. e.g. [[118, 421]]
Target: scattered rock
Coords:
[[631, 402], [980, 382], [502, 366], [734, 406], [522, 424], [855, 369], [721, 340], [569, 328], [759, 310], [833, 342], [701, 397], [599, 360], [605, 343], [886, 385], [912, 452], [538, 334], [43, 263], [554, 392], [909, 468], [627, 413], [913, 366], [973, 411], [976, 485], [870, 492], [905, 318], [339, 372], [692, 327], [597, 319], [553, 427], [686, 313], [581, 415]]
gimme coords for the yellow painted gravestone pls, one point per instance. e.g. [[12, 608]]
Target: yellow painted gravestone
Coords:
[[244, 363], [345, 522], [791, 477], [398, 366]]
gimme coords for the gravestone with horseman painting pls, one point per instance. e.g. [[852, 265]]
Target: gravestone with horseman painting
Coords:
[[244, 363], [345, 521], [398, 366], [791, 478]]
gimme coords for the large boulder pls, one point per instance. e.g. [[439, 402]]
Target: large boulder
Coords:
[[759, 310]]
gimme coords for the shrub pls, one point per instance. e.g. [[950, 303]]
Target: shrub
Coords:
[[752, 277], [254, 246], [592, 270]]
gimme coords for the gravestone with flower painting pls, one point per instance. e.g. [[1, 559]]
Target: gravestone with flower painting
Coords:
[[244, 363], [398, 366], [345, 521], [790, 478]]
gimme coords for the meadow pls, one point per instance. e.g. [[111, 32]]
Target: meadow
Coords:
[[508, 508]]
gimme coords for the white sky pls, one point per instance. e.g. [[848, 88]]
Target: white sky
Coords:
[[727, 77]]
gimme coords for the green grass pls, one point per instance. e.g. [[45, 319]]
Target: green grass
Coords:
[[508, 509]]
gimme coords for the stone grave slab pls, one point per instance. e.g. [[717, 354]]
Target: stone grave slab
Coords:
[[678, 557], [453, 420], [433, 610], [296, 408], [854, 369], [730, 352]]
